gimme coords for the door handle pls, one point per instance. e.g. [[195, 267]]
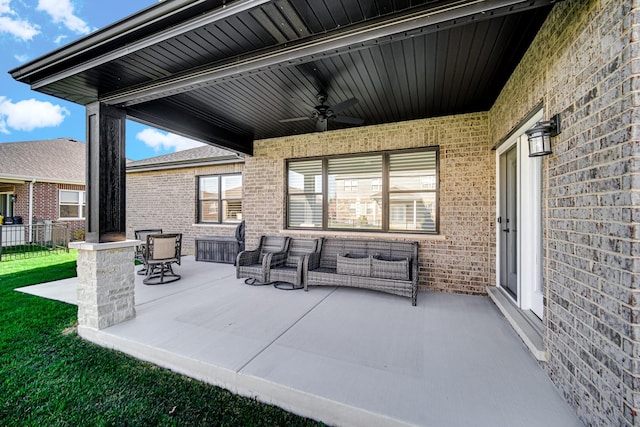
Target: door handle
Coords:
[[506, 230]]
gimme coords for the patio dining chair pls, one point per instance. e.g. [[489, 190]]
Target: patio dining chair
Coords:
[[289, 275], [161, 252], [255, 264], [142, 236]]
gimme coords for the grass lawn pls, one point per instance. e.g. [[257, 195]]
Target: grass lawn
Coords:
[[49, 376]]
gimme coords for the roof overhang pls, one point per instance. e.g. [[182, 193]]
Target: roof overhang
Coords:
[[12, 180], [226, 160], [23, 179], [226, 74]]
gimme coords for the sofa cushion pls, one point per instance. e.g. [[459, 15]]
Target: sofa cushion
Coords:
[[396, 269], [353, 265]]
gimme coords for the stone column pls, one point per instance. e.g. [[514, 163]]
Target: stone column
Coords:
[[106, 282]]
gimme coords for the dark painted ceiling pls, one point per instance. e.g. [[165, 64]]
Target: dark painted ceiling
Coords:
[[229, 73]]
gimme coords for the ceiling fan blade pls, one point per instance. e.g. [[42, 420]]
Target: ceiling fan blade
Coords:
[[344, 105], [321, 125], [294, 119], [349, 120]]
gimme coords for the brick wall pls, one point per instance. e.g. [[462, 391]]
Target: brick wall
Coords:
[[167, 199], [45, 206], [45, 201], [584, 65], [459, 260]]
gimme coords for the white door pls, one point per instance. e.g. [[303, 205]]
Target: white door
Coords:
[[519, 228]]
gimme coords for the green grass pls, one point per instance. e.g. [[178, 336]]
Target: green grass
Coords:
[[49, 376]]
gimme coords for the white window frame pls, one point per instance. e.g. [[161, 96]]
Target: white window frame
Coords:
[[82, 204]]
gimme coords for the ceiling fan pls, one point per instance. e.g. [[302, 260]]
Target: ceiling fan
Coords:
[[322, 113]]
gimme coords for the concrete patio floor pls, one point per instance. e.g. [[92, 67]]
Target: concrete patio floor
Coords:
[[342, 356]]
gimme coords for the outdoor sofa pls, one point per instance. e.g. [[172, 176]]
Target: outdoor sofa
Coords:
[[381, 265]]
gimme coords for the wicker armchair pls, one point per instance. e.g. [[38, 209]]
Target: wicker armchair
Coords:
[[289, 275], [255, 264], [161, 252]]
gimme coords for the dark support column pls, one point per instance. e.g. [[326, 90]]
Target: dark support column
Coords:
[[106, 202]]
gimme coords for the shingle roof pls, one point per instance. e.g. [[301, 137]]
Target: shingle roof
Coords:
[[53, 160], [198, 155]]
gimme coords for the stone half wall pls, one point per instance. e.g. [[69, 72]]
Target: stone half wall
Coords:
[[460, 259], [584, 65]]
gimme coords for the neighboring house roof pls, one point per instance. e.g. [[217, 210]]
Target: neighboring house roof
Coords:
[[59, 160], [199, 156]]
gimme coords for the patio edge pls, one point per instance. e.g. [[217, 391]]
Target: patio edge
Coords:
[[292, 400]]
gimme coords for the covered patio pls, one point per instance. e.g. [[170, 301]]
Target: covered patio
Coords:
[[341, 356], [322, 86]]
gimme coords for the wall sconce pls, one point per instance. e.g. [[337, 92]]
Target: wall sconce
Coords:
[[540, 136], [14, 197]]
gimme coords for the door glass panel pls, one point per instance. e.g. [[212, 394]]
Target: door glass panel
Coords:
[[509, 221]]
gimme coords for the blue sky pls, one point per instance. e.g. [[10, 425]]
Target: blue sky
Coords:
[[32, 28]]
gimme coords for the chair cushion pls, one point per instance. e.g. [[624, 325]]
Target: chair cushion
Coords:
[[164, 248], [352, 265], [397, 269]]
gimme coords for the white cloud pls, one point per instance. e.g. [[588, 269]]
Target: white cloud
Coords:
[[166, 141], [18, 28], [29, 114], [62, 12], [59, 39], [5, 9], [21, 58]]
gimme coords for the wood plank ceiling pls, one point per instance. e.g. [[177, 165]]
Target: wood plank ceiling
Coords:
[[209, 72]]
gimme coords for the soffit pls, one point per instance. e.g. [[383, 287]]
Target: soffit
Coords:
[[201, 74]]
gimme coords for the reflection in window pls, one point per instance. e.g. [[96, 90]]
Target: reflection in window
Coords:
[[305, 194], [359, 196], [412, 191], [354, 176]]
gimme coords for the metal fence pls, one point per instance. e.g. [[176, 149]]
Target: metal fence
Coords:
[[26, 241]]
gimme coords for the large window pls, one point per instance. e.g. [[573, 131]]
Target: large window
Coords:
[[388, 191], [220, 198], [72, 204]]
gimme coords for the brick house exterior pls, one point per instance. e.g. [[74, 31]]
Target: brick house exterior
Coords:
[[35, 172], [584, 65], [168, 184]]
